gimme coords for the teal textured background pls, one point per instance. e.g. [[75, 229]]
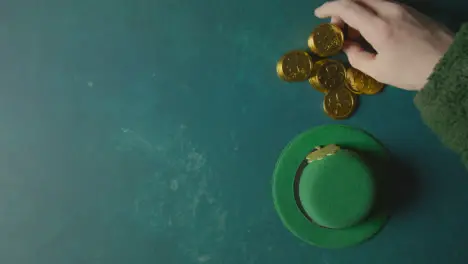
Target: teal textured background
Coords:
[[146, 131]]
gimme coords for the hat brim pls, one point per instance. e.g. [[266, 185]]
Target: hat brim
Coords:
[[284, 175]]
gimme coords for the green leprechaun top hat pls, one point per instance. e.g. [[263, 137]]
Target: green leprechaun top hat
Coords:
[[326, 186]]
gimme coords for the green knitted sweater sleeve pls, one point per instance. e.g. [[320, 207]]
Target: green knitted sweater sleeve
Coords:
[[443, 102]]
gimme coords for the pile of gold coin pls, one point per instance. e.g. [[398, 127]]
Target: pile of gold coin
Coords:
[[339, 85]]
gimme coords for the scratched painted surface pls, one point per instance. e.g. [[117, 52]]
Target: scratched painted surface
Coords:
[[147, 131]]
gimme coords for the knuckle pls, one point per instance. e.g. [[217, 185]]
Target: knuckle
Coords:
[[355, 62], [359, 65], [352, 59], [385, 31], [346, 4], [396, 11]]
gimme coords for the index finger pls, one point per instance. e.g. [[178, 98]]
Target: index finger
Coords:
[[352, 14]]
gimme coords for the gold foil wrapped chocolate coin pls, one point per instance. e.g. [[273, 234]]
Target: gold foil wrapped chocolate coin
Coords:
[[340, 103], [328, 75], [361, 83], [295, 66], [321, 152], [326, 40]]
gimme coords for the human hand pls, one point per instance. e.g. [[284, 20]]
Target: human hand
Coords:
[[408, 43]]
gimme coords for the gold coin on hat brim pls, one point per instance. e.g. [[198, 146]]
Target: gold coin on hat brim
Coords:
[[295, 66], [326, 40]]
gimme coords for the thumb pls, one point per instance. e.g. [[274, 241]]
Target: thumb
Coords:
[[359, 58]]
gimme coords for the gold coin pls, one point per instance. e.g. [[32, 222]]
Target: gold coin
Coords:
[[351, 88], [295, 66], [321, 152], [314, 83], [326, 40], [328, 75], [339, 103], [351, 83], [373, 87], [360, 82]]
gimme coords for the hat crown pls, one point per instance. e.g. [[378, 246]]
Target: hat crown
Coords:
[[337, 190]]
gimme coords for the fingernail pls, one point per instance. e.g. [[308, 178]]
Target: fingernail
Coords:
[[317, 11]]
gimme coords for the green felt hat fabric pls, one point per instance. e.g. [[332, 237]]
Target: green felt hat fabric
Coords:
[[337, 191], [331, 202]]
